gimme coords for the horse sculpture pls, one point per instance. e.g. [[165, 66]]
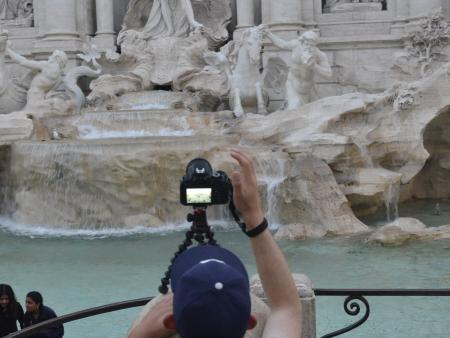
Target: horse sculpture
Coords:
[[241, 62]]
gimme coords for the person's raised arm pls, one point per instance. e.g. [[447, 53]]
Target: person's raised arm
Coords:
[[276, 278], [37, 65]]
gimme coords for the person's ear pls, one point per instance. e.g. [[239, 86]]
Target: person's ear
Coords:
[[169, 322], [252, 322]]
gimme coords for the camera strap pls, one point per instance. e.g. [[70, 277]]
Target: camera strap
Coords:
[[250, 233], [234, 212]]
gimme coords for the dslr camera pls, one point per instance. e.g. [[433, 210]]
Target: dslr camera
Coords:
[[201, 186]]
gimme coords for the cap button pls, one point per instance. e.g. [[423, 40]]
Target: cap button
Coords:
[[218, 286]]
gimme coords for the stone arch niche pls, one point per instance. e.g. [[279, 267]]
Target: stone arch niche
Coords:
[[433, 181]]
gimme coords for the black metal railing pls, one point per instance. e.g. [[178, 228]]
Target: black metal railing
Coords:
[[351, 306], [356, 296], [80, 315]]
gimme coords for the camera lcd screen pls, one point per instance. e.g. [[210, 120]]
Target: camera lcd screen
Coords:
[[199, 195]]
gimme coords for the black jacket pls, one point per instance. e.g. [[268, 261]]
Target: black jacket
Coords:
[[45, 313], [8, 323]]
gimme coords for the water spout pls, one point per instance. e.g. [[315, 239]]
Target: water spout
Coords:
[[391, 200], [437, 209], [364, 152], [273, 175]]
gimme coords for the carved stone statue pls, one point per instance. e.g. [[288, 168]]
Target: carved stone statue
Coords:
[[13, 91], [16, 12], [159, 41], [48, 77], [169, 18], [8, 9], [43, 97], [305, 62]]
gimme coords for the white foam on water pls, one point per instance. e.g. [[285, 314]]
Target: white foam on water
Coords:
[[91, 133], [150, 106], [39, 231]]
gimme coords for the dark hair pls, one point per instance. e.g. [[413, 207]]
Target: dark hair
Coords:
[[36, 297], [12, 307]]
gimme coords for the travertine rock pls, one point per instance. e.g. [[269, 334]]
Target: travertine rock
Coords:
[[359, 135], [404, 230], [14, 127], [312, 205]]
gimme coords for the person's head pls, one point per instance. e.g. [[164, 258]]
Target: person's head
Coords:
[[8, 301], [211, 294], [60, 57], [310, 38], [34, 301]]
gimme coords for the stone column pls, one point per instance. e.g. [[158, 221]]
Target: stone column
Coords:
[[245, 13], [58, 26], [60, 19], [307, 299], [105, 36]]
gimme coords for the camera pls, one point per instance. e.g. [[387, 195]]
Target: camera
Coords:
[[201, 186]]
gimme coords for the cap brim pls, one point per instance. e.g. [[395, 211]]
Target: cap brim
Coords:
[[200, 253]]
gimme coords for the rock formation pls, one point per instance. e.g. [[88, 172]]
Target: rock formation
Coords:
[[357, 133], [404, 230]]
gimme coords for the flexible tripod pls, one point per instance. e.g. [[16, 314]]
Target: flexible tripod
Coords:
[[200, 231]]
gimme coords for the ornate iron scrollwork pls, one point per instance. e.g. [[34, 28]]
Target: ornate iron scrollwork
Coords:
[[352, 308]]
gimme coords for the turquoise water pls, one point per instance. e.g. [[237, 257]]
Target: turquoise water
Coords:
[[77, 272]]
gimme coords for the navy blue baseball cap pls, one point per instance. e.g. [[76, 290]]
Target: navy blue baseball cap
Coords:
[[211, 293]]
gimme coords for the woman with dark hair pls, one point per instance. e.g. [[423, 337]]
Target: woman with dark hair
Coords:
[[37, 313], [10, 311]]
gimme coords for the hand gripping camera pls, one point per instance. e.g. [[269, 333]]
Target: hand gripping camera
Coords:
[[201, 186]]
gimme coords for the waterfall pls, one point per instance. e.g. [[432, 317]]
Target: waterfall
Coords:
[[102, 184], [364, 152], [132, 124], [273, 175], [391, 199]]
